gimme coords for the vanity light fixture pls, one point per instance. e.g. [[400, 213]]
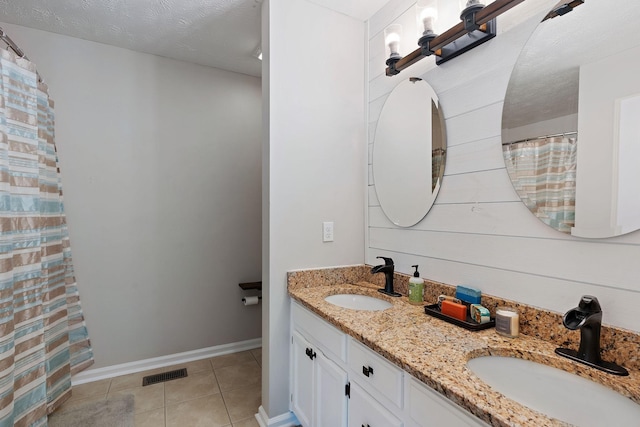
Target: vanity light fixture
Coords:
[[477, 25]]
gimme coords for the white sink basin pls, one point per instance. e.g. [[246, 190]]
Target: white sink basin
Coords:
[[358, 302], [556, 393]]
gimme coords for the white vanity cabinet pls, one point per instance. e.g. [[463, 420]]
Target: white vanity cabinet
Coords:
[[326, 365]]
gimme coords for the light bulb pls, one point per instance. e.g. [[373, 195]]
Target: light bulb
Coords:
[[392, 36], [393, 42], [427, 16]]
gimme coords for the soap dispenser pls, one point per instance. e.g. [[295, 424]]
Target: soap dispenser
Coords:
[[416, 288]]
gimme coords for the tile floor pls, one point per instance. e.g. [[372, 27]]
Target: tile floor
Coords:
[[222, 391]]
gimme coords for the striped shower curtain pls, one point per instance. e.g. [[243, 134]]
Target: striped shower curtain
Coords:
[[438, 157], [543, 172], [43, 338]]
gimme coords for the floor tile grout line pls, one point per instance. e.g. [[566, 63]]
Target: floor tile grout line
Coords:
[[226, 408], [256, 357]]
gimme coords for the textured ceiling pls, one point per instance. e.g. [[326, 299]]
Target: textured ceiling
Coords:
[[544, 82], [217, 33]]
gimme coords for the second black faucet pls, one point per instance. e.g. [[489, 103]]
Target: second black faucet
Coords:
[[587, 317]]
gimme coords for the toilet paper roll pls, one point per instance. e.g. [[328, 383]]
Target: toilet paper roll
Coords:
[[250, 300]]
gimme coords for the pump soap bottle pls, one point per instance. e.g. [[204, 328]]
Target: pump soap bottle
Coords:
[[416, 287]]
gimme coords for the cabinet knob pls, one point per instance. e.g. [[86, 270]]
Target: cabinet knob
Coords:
[[367, 370]]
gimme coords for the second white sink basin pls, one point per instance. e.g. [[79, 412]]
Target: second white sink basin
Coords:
[[556, 393], [358, 302]]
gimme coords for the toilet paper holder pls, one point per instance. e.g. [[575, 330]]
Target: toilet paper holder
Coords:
[[251, 300]]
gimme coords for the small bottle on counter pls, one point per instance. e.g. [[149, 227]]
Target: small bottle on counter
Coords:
[[507, 322], [416, 288]]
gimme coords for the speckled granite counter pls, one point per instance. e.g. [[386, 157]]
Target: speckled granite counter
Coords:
[[436, 352]]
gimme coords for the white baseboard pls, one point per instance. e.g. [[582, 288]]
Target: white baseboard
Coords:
[[91, 375], [284, 420]]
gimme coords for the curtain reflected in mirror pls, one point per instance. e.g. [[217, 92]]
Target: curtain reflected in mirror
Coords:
[[543, 172], [438, 147]]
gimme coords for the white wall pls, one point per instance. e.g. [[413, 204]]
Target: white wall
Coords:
[[479, 232], [315, 150], [160, 164]]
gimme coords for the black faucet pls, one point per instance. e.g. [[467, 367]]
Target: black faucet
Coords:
[[587, 317], [387, 269]]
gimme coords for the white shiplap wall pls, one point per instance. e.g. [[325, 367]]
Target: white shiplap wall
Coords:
[[478, 232]]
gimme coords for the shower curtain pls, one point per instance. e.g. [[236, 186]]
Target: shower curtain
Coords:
[[543, 172], [437, 164], [43, 338]]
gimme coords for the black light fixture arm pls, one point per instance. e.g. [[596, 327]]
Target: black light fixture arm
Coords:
[[424, 42], [391, 66], [468, 17]]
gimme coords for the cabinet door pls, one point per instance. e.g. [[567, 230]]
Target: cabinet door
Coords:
[[331, 399], [365, 411], [302, 374]]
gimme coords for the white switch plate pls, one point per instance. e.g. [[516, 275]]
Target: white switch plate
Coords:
[[327, 231]]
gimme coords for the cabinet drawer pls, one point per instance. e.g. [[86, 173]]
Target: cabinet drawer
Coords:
[[428, 408], [374, 371], [365, 411], [319, 332]]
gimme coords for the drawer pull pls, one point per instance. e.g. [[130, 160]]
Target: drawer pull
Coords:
[[367, 370], [309, 352], [366, 425]]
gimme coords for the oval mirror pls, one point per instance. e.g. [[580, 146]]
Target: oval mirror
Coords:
[[409, 152], [570, 127]]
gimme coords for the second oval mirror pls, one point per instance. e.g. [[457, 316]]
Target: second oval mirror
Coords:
[[409, 152], [570, 128]]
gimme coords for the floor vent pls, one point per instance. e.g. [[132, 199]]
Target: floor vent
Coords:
[[165, 376]]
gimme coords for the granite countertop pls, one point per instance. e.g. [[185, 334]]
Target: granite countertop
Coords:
[[436, 352]]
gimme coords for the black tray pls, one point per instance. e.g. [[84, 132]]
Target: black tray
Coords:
[[469, 324]]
